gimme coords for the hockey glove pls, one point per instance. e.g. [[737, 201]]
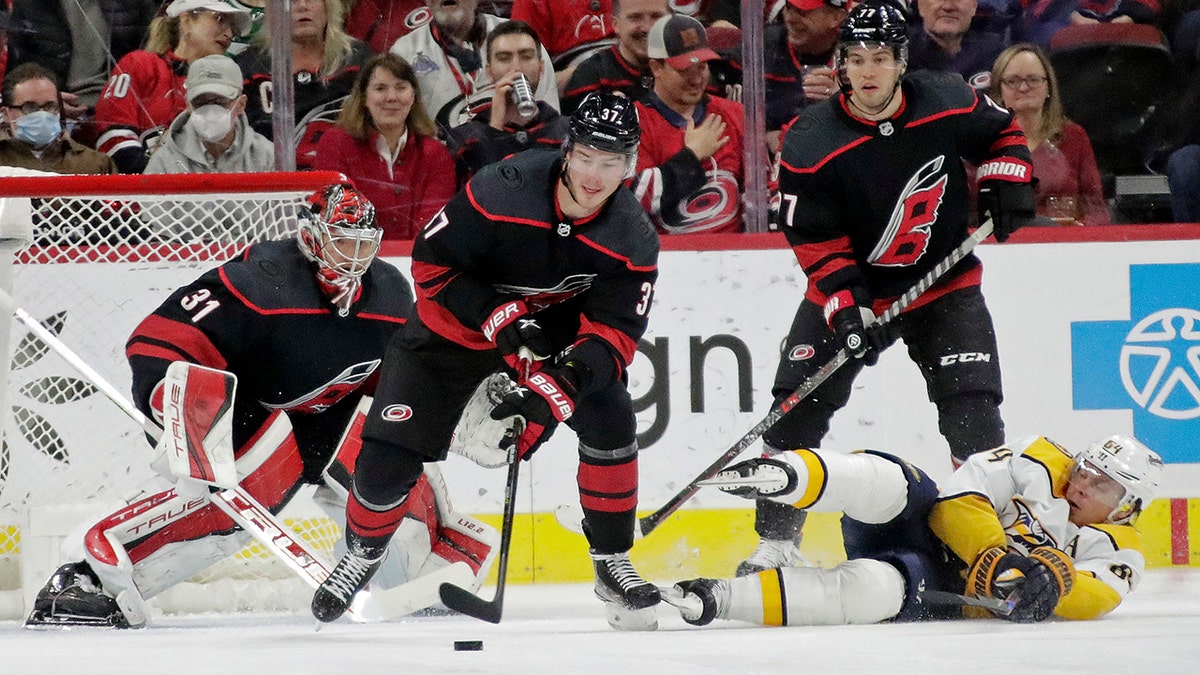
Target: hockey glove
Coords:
[[1010, 206], [849, 316], [547, 398], [511, 328], [1035, 583]]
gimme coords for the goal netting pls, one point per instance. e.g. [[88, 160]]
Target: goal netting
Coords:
[[102, 253]]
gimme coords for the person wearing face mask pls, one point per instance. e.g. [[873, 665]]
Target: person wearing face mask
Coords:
[[213, 134], [33, 114]]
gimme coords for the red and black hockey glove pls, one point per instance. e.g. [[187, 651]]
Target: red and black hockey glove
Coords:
[[546, 398], [511, 328], [848, 313], [1010, 205]]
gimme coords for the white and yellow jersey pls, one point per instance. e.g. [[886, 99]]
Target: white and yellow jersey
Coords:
[[1013, 496]]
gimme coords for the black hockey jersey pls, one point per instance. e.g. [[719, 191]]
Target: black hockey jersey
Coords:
[[605, 71], [879, 204], [318, 101], [476, 144], [263, 318], [503, 237]]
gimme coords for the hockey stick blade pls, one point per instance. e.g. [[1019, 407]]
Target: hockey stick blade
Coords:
[[465, 602], [646, 524], [413, 596]]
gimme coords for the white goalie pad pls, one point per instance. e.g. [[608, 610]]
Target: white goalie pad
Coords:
[[478, 437]]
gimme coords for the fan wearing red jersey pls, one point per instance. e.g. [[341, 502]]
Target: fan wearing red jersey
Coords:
[[874, 195]]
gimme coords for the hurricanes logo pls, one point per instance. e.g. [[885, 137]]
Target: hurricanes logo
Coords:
[[801, 353], [712, 206], [908, 231], [396, 413], [417, 18], [319, 399], [1160, 363]]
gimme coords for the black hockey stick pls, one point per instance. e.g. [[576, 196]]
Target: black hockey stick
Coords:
[[464, 601], [571, 519], [996, 605]]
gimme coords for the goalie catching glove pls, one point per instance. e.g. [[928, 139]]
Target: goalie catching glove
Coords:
[[512, 330], [1035, 582], [858, 330], [547, 398]]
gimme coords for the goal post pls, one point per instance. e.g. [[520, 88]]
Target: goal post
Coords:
[[90, 257]]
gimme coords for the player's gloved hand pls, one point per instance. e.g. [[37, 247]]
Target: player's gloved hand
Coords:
[[511, 328], [848, 313], [1035, 583], [1009, 205], [547, 398]]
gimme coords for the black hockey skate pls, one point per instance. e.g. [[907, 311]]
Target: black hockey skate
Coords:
[[73, 597], [351, 575], [628, 598]]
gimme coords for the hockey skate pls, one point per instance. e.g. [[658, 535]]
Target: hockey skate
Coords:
[[73, 597], [629, 599], [351, 575], [699, 601], [770, 554]]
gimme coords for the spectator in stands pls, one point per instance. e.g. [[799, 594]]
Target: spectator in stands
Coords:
[[500, 129], [572, 31], [379, 23], [80, 41], [385, 142], [690, 160], [325, 64], [5, 21], [944, 40], [258, 18], [1039, 21], [447, 54], [33, 112], [1183, 178], [213, 134], [145, 92], [623, 67], [1068, 188]]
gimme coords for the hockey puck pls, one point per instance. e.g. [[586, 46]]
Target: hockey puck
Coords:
[[468, 645]]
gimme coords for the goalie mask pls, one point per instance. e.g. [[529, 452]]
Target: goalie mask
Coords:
[[1136, 469], [338, 232]]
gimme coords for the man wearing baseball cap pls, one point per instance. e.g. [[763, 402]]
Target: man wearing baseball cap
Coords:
[[213, 134], [690, 161]]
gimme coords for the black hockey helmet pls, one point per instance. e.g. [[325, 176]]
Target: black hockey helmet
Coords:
[[874, 22], [606, 121]]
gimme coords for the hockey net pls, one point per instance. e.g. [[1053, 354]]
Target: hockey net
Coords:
[[104, 252]]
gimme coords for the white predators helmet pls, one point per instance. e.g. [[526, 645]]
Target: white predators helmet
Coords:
[[1131, 464]]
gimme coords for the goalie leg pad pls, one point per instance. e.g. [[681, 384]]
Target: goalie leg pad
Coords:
[[855, 592]]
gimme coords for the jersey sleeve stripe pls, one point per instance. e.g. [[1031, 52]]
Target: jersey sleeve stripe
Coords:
[[184, 339], [941, 115], [825, 160], [620, 342], [616, 256], [260, 310], [532, 222]]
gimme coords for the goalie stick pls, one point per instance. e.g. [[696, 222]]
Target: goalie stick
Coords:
[[460, 599], [246, 511], [570, 516]]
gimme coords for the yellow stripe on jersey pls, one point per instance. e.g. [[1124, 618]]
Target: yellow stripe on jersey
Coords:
[[1058, 462], [772, 597], [968, 525], [816, 478], [1123, 536], [1090, 598]]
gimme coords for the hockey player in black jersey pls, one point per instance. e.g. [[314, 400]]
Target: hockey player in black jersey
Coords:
[[303, 324], [543, 265], [874, 195]]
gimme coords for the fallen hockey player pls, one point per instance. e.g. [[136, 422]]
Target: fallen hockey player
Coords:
[[1047, 532]]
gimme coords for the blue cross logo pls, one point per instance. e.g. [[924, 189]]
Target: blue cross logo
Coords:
[[1149, 364]]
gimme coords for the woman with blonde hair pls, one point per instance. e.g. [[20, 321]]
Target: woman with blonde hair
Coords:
[[145, 92], [1068, 188], [325, 62], [385, 142]]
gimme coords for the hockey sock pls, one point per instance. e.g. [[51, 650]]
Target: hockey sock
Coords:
[[608, 495]]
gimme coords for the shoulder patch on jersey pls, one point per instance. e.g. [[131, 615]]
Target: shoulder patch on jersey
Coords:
[[510, 176]]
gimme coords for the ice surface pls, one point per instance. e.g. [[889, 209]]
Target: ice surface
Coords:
[[561, 629]]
